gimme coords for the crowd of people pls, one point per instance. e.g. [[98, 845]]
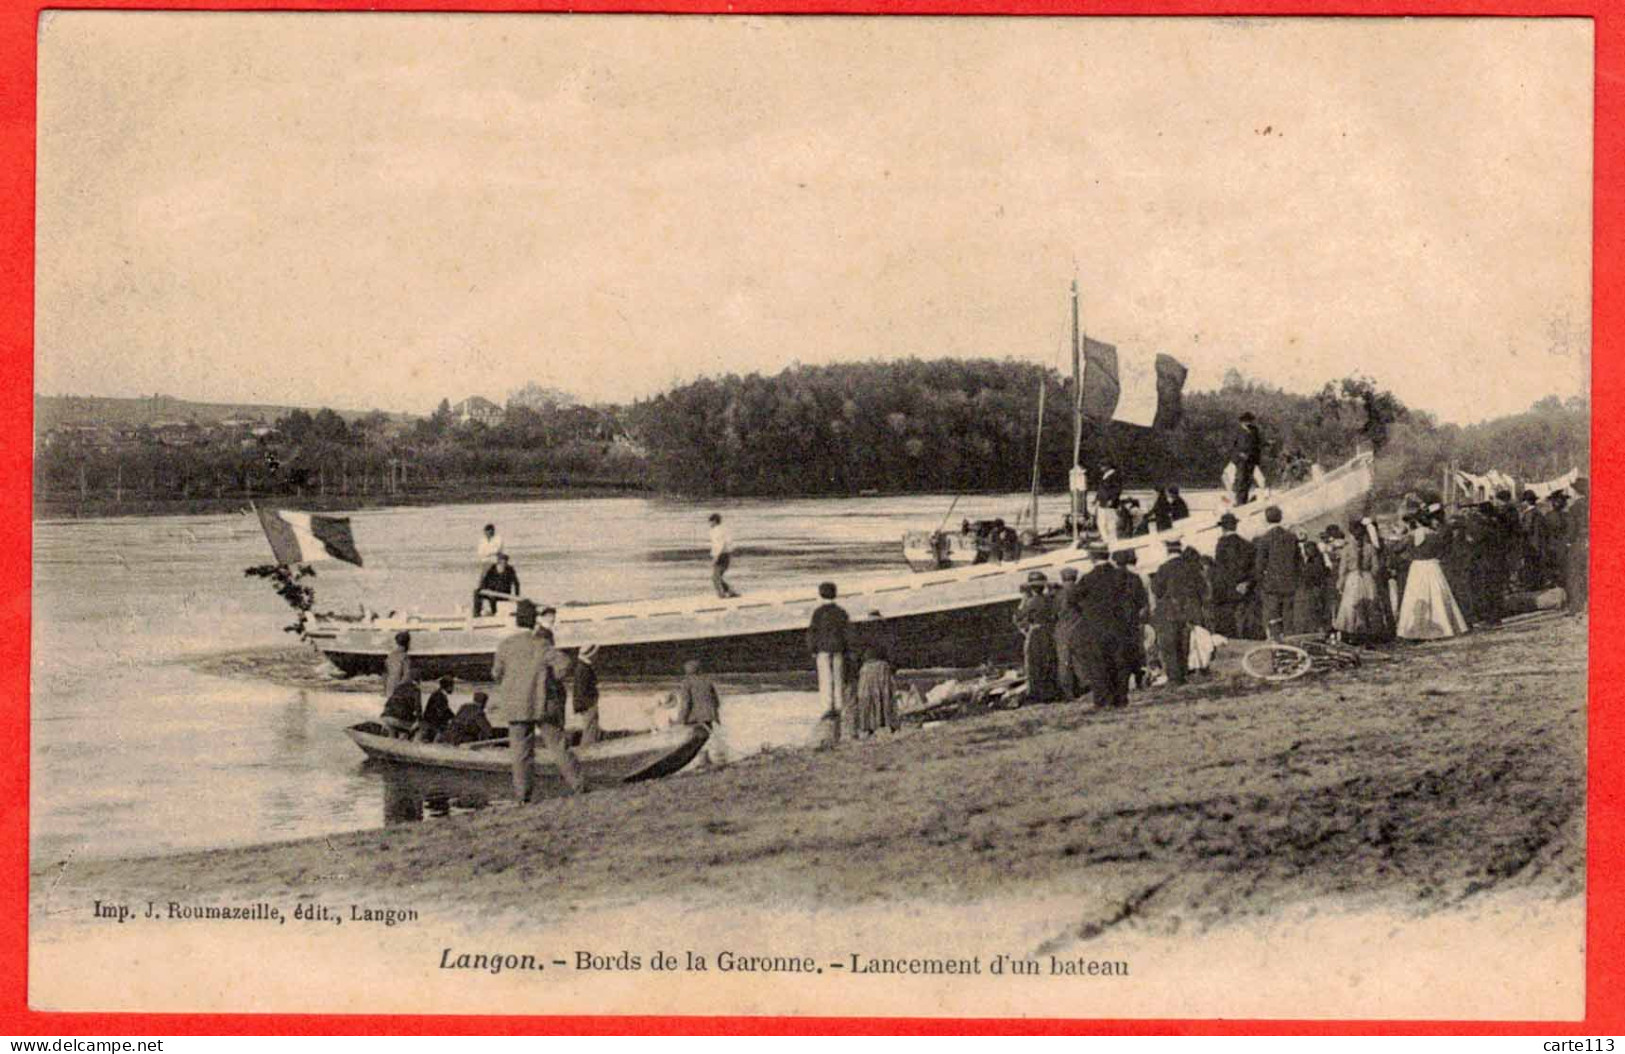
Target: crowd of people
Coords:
[[1428, 574]]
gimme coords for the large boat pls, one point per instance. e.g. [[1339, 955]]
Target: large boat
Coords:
[[958, 617], [617, 759]]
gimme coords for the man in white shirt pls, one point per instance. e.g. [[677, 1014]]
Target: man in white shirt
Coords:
[[486, 554], [490, 546], [721, 552]]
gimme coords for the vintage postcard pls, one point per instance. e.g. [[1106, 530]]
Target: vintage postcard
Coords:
[[863, 516]]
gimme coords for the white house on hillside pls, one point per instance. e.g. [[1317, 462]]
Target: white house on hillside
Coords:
[[477, 408]]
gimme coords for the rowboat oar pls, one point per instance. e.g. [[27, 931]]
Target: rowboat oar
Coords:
[[947, 514]]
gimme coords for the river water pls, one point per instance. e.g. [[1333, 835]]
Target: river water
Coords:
[[142, 744]]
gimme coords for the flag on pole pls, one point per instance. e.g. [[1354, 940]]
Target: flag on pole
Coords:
[[1134, 389], [303, 537]]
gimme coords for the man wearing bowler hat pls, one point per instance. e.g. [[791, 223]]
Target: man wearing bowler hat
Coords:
[[532, 675], [1232, 578]]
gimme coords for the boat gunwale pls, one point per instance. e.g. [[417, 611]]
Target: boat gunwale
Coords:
[[709, 614]]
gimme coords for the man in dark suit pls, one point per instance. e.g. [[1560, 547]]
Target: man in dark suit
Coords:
[[1103, 601], [1277, 567], [1139, 612], [1232, 579], [1249, 456], [1181, 592]]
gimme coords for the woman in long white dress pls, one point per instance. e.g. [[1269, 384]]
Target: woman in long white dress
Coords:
[[1429, 610]]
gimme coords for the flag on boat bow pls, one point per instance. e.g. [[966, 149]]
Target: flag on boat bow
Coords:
[[304, 537], [1135, 389]]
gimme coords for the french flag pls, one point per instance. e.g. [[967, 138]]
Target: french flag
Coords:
[[1134, 389], [303, 537]]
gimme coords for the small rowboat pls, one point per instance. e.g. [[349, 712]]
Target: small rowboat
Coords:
[[622, 759]]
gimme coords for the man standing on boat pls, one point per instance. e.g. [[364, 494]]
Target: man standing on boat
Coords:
[[490, 546], [826, 639], [721, 554], [1249, 456], [532, 675]]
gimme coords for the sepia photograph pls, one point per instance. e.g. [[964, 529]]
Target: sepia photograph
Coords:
[[946, 517]]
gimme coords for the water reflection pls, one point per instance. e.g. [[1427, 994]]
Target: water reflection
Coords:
[[411, 793]]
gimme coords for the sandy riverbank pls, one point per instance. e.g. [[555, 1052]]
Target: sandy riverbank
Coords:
[[1439, 789]]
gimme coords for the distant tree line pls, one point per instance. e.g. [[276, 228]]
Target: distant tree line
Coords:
[[947, 425], [320, 455], [972, 425]]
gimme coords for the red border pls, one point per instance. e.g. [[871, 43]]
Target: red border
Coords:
[[1605, 1009]]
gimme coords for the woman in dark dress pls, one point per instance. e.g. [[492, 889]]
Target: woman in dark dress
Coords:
[[1309, 614]]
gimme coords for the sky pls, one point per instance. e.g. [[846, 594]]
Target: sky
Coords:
[[386, 210]]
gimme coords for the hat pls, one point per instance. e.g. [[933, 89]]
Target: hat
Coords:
[[1174, 545], [1069, 574], [1247, 415], [1334, 531], [1529, 496], [447, 682], [1036, 578], [403, 638], [1559, 498], [826, 590], [716, 517], [1098, 552], [481, 698], [1228, 520], [1273, 514], [524, 613], [501, 555], [491, 527]]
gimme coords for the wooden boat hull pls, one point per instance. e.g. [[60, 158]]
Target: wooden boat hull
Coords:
[[625, 759], [957, 617]]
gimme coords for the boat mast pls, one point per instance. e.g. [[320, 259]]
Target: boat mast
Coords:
[[1077, 414], [1038, 452]]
